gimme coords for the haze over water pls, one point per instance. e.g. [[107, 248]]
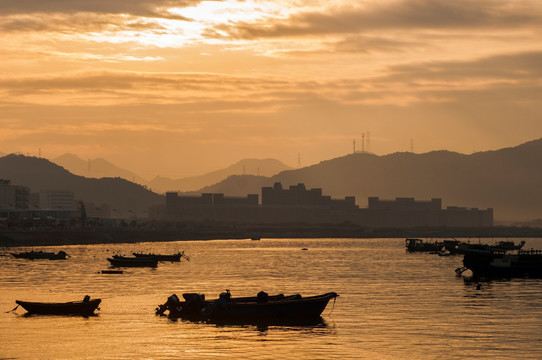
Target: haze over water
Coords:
[[392, 304]]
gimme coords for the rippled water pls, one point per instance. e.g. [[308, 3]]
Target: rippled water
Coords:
[[392, 304]]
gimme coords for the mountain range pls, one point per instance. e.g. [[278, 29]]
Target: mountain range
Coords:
[[95, 168], [507, 180], [41, 174], [263, 167], [100, 168]]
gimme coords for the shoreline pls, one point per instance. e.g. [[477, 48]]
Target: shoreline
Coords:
[[14, 238]]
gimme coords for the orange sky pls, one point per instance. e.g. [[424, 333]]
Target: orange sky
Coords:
[[178, 88]]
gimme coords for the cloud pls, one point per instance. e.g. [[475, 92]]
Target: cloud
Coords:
[[150, 8], [404, 84], [74, 23], [516, 68], [397, 15]]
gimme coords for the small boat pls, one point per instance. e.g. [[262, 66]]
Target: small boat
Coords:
[[161, 257], [86, 307], [499, 263], [262, 306], [457, 247], [418, 245], [31, 255], [124, 261]]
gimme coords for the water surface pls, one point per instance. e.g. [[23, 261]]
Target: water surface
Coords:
[[392, 304]]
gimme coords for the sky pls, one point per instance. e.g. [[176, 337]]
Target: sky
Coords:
[[181, 87]]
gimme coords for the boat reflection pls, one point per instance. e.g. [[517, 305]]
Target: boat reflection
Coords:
[[261, 325]]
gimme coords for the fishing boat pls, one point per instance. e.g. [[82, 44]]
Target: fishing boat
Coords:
[[503, 263], [458, 247], [163, 257], [32, 255], [85, 307], [262, 306], [124, 261], [418, 245]]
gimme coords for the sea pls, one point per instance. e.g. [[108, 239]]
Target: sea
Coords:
[[391, 305]]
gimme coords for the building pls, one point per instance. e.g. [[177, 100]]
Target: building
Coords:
[[408, 212], [13, 196], [210, 206], [57, 199], [297, 204]]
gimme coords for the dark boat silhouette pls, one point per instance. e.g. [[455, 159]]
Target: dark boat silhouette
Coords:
[[61, 255], [124, 261], [499, 263], [246, 309], [418, 245], [85, 307], [163, 257], [458, 247]]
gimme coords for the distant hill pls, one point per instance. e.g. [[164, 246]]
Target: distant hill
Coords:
[[507, 180], [41, 174], [99, 168], [253, 167]]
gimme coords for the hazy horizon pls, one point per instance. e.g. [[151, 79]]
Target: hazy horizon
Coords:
[[225, 165], [181, 88]]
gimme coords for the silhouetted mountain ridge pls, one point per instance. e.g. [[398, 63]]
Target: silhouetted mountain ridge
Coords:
[[96, 168], [41, 174], [507, 180], [254, 167]]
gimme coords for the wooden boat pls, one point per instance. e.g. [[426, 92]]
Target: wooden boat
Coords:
[[501, 263], [85, 307], [262, 306], [163, 257], [123, 261], [61, 255]]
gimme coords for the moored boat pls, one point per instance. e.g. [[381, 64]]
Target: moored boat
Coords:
[[458, 247], [31, 255], [85, 307], [263, 306], [124, 261], [418, 245], [503, 263], [163, 257]]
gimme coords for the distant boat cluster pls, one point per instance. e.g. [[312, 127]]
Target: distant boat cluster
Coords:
[[503, 259]]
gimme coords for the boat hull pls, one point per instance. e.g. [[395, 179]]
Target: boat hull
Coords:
[[160, 257], [301, 308], [32, 255], [133, 262], [84, 308], [279, 307], [504, 265]]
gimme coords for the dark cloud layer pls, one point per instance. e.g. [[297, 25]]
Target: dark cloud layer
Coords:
[[404, 14], [513, 67], [134, 7]]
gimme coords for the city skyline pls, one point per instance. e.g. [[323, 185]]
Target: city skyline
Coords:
[[180, 88]]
